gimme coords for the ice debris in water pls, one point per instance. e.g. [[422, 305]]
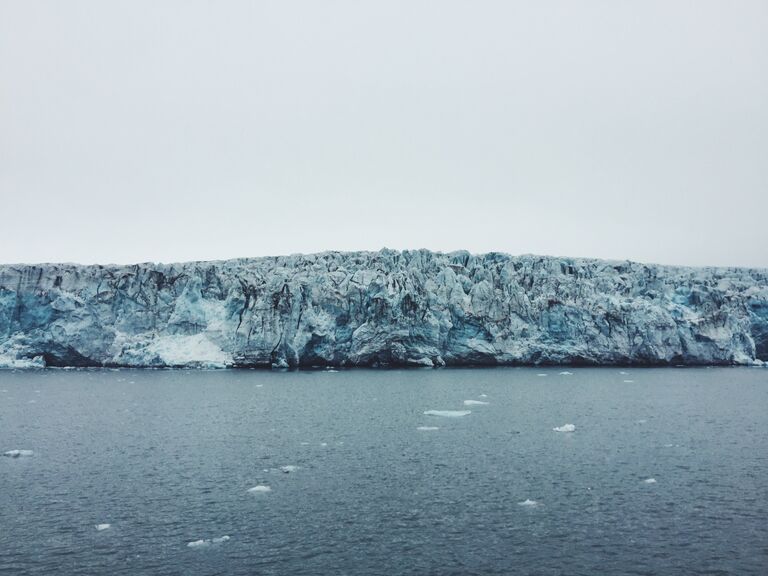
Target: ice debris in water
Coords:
[[17, 453], [475, 403], [483, 395], [565, 428], [650, 481], [528, 503], [623, 373], [101, 527], [447, 413], [260, 488], [566, 373], [540, 374], [427, 428], [629, 381], [205, 542], [289, 468]]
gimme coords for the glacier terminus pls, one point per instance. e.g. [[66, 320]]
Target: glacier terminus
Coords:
[[378, 309]]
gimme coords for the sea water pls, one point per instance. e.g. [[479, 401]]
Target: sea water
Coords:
[[371, 472]]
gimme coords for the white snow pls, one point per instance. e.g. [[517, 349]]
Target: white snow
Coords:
[[475, 403], [17, 453], [528, 503], [101, 527], [447, 413], [565, 428], [260, 489], [427, 428], [181, 350]]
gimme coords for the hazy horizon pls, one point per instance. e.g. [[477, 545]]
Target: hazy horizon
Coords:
[[192, 131]]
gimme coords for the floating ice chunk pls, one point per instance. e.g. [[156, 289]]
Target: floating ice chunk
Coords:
[[18, 453], [566, 373], [202, 543], [483, 395], [565, 428], [528, 503], [427, 428], [260, 489], [623, 373], [289, 468], [475, 403], [447, 413], [259, 385], [628, 381], [101, 527], [540, 374], [323, 443], [649, 481], [641, 421]]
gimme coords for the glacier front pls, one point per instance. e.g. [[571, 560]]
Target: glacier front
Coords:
[[386, 308]]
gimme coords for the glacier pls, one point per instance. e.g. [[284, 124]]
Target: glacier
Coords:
[[387, 308]]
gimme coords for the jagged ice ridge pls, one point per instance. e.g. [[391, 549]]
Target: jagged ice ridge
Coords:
[[387, 308]]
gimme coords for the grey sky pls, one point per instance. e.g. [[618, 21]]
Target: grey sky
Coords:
[[178, 130]]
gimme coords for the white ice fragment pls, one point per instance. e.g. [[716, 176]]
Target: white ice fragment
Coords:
[[198, 543], [641, 421], [475, 403], [528, 503], [260, 489], [566, 373], [323, 443], [649, 481], [447, 413], [18, 453], [540, 374], [565, 428], [101, 527], [628, 381], [427, 428], [220, 539], [623, 373], [289, 468], [483, 395]]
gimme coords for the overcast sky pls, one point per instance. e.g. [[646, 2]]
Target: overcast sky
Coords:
[[179, 130]]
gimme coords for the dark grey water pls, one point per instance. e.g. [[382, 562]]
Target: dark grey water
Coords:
[[167, 458]]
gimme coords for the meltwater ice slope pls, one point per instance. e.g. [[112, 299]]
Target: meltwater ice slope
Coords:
[[384, 308]]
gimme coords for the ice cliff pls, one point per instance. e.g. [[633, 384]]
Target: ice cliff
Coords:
[[386, 308]]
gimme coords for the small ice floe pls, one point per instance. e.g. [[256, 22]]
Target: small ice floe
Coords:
[[427, 428], [540, 374], [323, 443], [260, 489], [202, 543], [259, 385], [18, 453], [289, 468], [649, 481], [528, 503], [641, 421], [447, 413], [566, 373], [565, 428], [101, 527], [623, 373], [475, 403], [629, 381], [483, 396]]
